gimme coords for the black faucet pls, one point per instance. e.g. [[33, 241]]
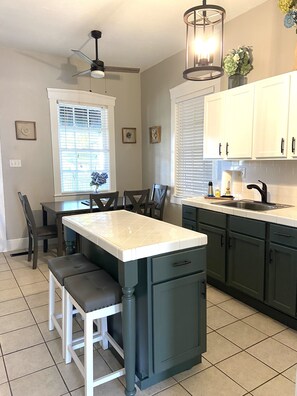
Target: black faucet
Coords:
[[262, 191]]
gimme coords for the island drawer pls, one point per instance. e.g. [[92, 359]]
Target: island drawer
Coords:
[[283, 235], [179, 264]]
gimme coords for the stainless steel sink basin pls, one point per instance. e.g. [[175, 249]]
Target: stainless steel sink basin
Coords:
[[251, 205]]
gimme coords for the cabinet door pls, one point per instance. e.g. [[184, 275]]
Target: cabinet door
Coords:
[[292, 133], [271, 117], [239, 110], [246, 264], [179, 333], [215, 251], [282, 275], [213, 145]]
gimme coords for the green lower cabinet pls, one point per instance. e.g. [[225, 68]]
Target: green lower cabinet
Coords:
[[179, 321], [282, 275], [216, 251], [246, 264]]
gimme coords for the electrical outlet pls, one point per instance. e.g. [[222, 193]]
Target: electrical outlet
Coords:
[[15, 163]]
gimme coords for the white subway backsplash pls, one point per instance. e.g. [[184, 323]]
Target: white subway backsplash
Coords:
[[279, 175]]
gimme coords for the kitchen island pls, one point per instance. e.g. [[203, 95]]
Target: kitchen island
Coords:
[[161, 268]]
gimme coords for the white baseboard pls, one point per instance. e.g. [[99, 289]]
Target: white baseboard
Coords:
[[14, 244], [18, 244]]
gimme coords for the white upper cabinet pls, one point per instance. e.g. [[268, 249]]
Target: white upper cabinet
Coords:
[[214, 126], [292, 131], [228, 126], [271, 109], [239, 121]]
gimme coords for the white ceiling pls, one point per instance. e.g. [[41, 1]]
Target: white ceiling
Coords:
[[135, 33]]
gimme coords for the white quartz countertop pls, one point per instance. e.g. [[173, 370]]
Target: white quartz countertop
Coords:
[[130, 236], [284, 216]]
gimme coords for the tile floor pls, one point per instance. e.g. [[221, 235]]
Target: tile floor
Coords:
[[247, 352]]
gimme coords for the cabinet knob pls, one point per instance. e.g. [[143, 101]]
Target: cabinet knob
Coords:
[[293, 145], [220, 149], [227, 148]]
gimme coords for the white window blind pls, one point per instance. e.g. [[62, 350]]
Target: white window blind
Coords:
[[83, 145], [192, 172]]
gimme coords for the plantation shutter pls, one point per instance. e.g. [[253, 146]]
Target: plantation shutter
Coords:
[[83, 145], [192, 173]]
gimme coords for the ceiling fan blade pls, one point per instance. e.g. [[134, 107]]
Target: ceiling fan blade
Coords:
[[82, 73], [83, 56], [120, 69]]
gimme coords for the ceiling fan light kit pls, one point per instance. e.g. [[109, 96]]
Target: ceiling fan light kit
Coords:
[[97, 68], [204, 42]]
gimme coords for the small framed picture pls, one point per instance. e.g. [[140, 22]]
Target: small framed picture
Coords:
[[155, 134], [129, 135], [25, 130]]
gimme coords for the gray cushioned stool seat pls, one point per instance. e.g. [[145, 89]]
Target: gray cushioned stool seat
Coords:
[[74, 264], [94, 290]]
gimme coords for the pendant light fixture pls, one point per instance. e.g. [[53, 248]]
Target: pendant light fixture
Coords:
[[204, 42]]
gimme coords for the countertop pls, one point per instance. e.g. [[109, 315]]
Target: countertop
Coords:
[[284, 216], [130, 236]]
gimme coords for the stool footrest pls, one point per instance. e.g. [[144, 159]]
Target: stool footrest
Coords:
[[79, 364], [108, 377], [80, 342]]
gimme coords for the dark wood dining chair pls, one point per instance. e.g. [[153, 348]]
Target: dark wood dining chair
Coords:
[[35, 233], [136, 201], [157, 201], [104, 201]]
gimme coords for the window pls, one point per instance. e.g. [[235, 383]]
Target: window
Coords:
[[82, 138], [190, 172]]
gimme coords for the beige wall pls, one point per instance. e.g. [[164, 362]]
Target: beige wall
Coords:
[[273, 49], [24, 79]]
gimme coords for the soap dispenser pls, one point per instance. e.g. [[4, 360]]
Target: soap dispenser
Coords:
[[228, 190], [210, 189]]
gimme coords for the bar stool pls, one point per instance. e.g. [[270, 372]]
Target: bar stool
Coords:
[[59, 269], [96, 296]]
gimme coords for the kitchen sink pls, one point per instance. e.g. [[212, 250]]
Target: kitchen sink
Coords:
[[252, 205]]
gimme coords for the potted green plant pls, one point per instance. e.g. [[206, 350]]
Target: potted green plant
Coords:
[[237, 64]]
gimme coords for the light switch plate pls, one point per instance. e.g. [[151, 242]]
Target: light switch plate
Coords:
[[15, 163]]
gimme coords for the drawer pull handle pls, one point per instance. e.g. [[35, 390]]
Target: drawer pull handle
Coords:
[[181, 263], [283, 235], [282, 145]]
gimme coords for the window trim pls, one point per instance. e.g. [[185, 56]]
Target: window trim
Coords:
[[83, 98], [184, 91]]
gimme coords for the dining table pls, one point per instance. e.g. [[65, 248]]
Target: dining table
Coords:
[[59, 209]]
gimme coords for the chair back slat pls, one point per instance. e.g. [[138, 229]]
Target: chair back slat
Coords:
[[31, 225], [159, 192], [104, 201], [137, 201]]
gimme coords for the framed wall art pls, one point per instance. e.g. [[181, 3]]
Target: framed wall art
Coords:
[[25, 130], [155, 134], [129, 135]]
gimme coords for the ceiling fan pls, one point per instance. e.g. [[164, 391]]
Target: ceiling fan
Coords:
[[97, 69]]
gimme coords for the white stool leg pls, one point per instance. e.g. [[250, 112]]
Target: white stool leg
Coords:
[[88, 358], [103, 325], [68, 327], [51, 308], [64, 322]]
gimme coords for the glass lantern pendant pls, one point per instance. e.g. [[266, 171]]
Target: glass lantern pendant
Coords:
[[204, 42]]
